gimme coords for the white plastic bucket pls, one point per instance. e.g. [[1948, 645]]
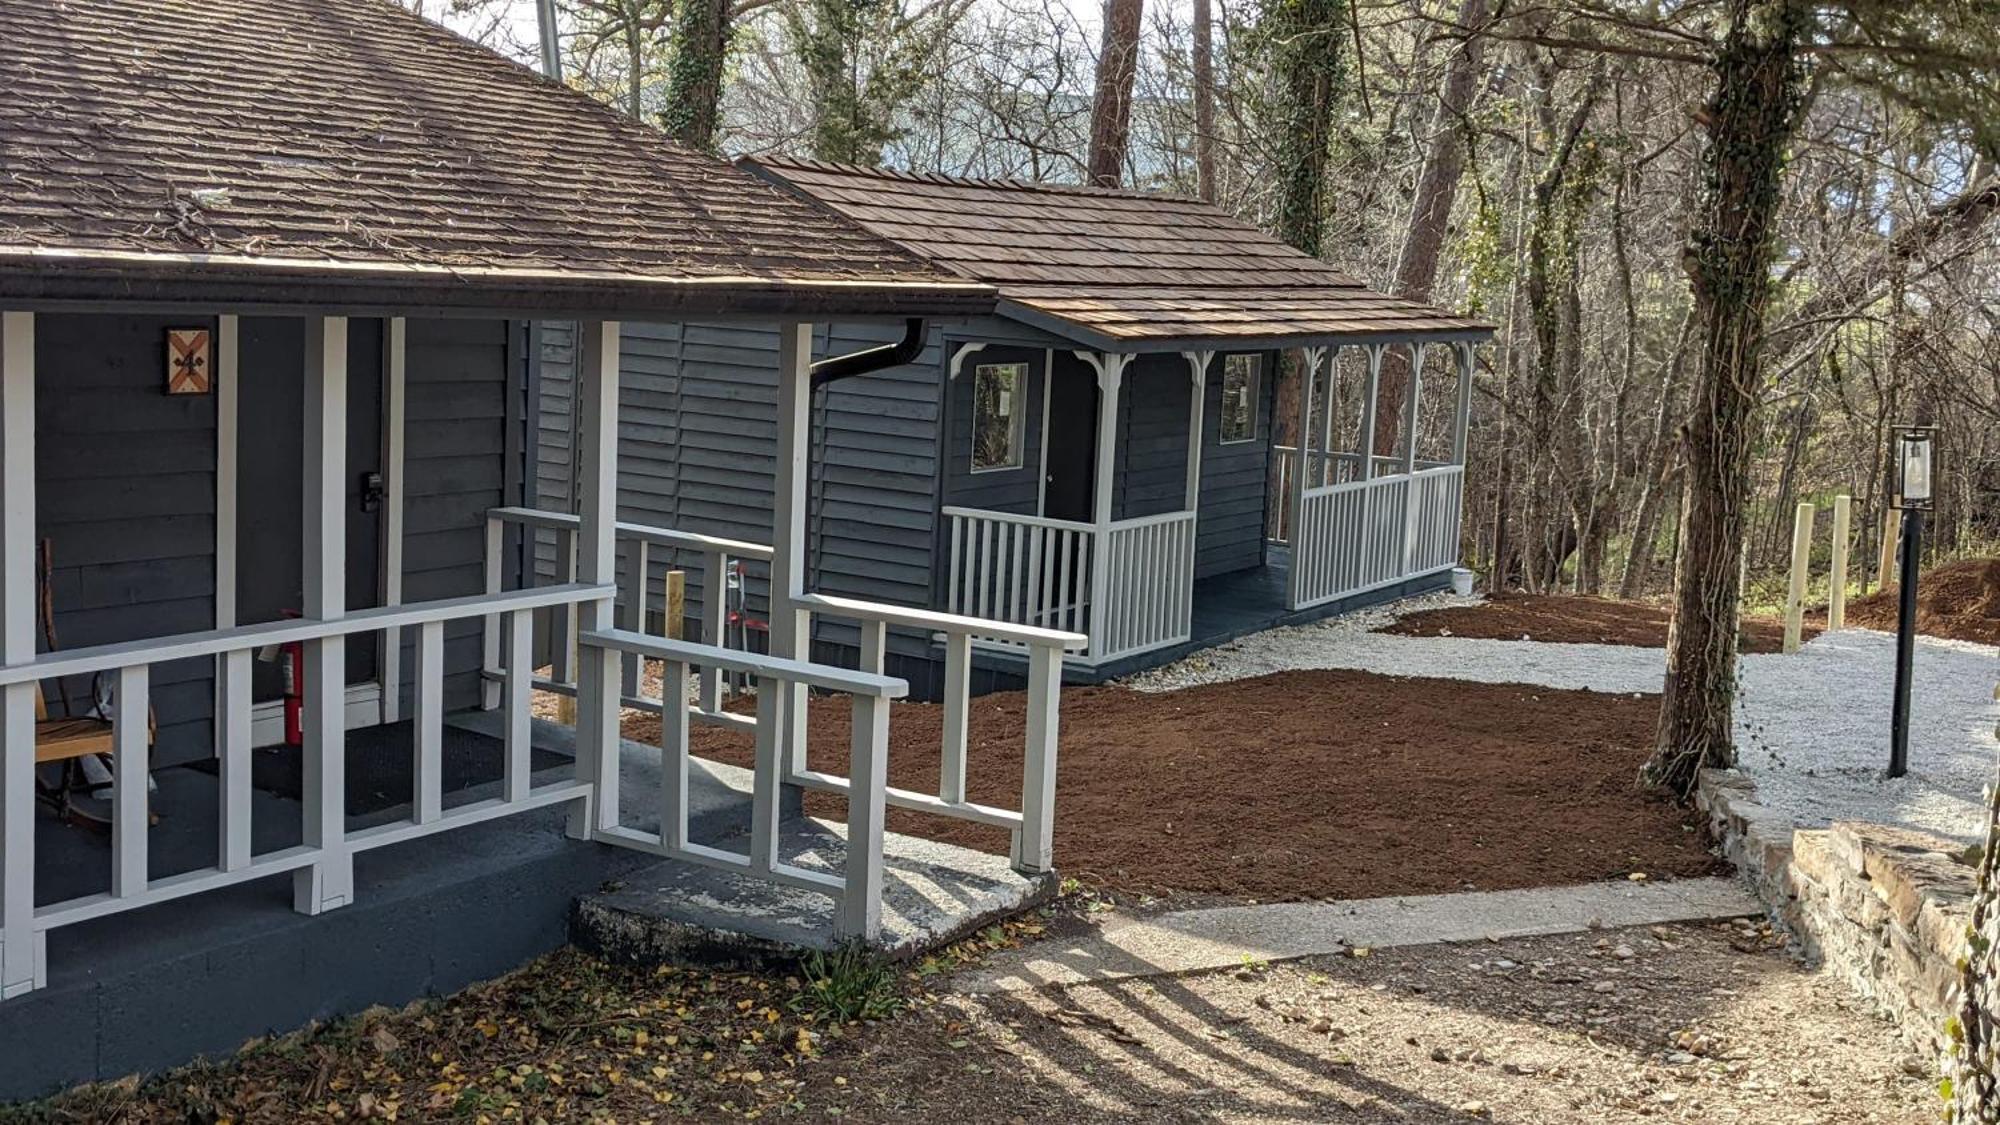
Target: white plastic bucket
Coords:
[[1461, 581]]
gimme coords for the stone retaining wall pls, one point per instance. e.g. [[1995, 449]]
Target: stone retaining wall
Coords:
[[1885, 909]]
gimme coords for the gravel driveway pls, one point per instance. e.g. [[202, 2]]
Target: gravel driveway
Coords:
[[1812, 726]]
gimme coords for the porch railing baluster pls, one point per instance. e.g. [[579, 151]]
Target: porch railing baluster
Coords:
[[674, 755], [232, 728], [130, 760], [518, 716], [427, 723]]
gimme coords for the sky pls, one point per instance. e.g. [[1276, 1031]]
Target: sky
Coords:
[[519, 33]]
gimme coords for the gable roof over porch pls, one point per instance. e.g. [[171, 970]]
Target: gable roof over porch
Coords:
[[320, 152], [1120, 270]]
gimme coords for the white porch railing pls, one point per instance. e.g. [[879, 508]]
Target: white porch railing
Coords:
[[858, 887], [323, 862], [1033, 826], [1129, 588], [1325, 470], [639, 545], [779, 753], [1356, 536]]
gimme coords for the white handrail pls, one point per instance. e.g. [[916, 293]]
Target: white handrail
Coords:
[[645, 533], [213, 642], [944, 622], [826, 677], [950, 510], [1033, 827], [858, 888]]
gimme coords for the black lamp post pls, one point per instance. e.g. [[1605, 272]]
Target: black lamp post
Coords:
[[1914, 447]]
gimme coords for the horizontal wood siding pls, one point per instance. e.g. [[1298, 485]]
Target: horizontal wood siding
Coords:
[[125, 493], [875, 481], [1153, 414], [454, 463], [1230, 535]]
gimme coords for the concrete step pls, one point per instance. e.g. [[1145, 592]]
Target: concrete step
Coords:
[[681, 912]]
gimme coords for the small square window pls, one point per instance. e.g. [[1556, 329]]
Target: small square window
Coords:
[[1240, 378], [997, 416]]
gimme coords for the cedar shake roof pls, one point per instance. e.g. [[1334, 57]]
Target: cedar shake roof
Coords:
[[1117, 268], [299, 150]]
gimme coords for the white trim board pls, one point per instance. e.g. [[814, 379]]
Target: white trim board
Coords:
[[267, 720]]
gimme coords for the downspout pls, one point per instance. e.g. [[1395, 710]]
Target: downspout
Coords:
[[872, 359], [838, 367]]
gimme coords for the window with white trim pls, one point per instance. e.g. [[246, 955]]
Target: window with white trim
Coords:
[[998, 415], [1241, 376]]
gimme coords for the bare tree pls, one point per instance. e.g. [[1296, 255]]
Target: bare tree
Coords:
[[1111, 107]]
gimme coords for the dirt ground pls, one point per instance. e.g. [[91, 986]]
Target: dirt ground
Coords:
[[1684, 1023], [1959, 600], [1565, 619], [1302, 785]]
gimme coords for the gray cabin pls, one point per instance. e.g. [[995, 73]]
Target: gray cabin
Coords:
[[270, 746], [1101, 455]]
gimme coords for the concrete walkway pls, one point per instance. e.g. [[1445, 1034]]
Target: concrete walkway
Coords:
[[1225, 937]]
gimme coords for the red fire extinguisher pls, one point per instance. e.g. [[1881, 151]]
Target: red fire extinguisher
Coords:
[[292, 667]]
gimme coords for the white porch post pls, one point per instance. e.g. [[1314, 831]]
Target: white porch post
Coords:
[[393, 421], [232, 670], [597, 702], [1310, 360], [1462, 420], [1198, 363], [1411, 396], [791, 627], [1375, 354], [329, 882], [1110, 368], [23, 958]]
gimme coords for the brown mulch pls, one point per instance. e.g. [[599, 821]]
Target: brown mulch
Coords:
[[1959, 601], [1303, 785], [1569, 619]]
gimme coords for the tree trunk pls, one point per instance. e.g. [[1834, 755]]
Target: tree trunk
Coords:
[[1653, 489], [635, 60], [1750, 119], [1306, 69], [694, 85], [1204, 99], [1974, 1068], [1111, 109], [1430, 215]]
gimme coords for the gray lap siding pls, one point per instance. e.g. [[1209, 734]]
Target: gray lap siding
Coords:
[[126, 487], [698, 431]]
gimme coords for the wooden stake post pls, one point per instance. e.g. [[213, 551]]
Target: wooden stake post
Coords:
[[1795, 591], [1836, 595]]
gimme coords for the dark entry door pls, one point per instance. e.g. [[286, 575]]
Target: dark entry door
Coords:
[[270, 486], [1072, 440]]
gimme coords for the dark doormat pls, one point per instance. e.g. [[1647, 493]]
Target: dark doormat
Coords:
[[379, 767]]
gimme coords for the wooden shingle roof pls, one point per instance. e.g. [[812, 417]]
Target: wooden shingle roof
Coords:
[[203, 147], [1116, 267]]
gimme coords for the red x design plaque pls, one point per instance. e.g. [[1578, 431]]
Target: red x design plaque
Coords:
[[188, 361]]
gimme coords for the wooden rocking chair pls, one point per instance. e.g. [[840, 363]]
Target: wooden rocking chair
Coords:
[[71, 739], [68, 741]]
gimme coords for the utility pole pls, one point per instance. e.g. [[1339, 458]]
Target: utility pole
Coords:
[[545, 15]]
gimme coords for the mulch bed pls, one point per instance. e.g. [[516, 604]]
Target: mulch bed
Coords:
[[1568, 619], [1959, 601], [1303, 785]]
